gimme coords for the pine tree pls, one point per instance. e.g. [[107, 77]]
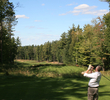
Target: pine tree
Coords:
[[6, 12], [86, 45], [107, 39]]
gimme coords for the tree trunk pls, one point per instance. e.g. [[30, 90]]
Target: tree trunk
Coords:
[[1, 49], [11, 61], [103, 68], [76, 58]]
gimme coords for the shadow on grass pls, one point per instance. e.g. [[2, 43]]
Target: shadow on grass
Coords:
[[21, 64], [38, 65], [20, 87], [15, 65], [104, 93], [34, 88]]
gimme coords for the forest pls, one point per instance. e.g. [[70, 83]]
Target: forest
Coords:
[[90, 45], [80, 47], [8, 44]]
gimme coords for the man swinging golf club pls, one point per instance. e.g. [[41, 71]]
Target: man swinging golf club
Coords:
[[94, 81]]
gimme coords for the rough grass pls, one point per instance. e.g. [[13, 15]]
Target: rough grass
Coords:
[[28, 82], [43, 69]]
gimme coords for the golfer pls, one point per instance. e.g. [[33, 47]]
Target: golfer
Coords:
[[94, 82]]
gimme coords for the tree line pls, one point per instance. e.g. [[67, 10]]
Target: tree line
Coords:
[[8, 44], [90, 45]]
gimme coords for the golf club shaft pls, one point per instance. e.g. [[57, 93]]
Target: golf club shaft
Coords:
[[106, 77]]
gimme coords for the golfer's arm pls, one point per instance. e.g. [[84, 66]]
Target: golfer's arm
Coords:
[[87, 71], [91, 71]]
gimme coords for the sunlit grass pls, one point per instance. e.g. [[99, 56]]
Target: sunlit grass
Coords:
[[42, 69], [46, 71]]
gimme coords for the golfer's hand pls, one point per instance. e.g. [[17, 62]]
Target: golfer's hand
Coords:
[[82, 73], [90, 67]]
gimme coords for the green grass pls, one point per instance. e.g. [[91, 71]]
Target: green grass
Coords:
[[47, 83]]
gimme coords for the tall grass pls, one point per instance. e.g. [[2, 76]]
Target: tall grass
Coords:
[[42, 69], [47, 71]]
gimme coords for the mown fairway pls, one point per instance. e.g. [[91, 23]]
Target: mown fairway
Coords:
[[52, 82]]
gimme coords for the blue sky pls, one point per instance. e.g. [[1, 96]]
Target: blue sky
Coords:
[[40, 21]]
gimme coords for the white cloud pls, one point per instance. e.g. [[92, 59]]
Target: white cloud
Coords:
[[21, 16], [63, 14], [102, 12], [96, 12], [76, 12], [86, 9], [43, 4], [37, 20], [82, 6], [71, 4]]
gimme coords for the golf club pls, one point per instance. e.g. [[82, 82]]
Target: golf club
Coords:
[[101, 73], [105, 77]]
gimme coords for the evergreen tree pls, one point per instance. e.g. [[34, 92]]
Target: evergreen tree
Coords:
[[6, 47], [86, 45], [6, 13], [54, 50], [107, 39]]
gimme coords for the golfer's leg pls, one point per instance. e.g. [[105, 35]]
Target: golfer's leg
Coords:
[[96, 94], [90, 93]]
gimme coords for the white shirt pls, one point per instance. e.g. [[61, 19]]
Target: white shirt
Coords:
[[94, 79]]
